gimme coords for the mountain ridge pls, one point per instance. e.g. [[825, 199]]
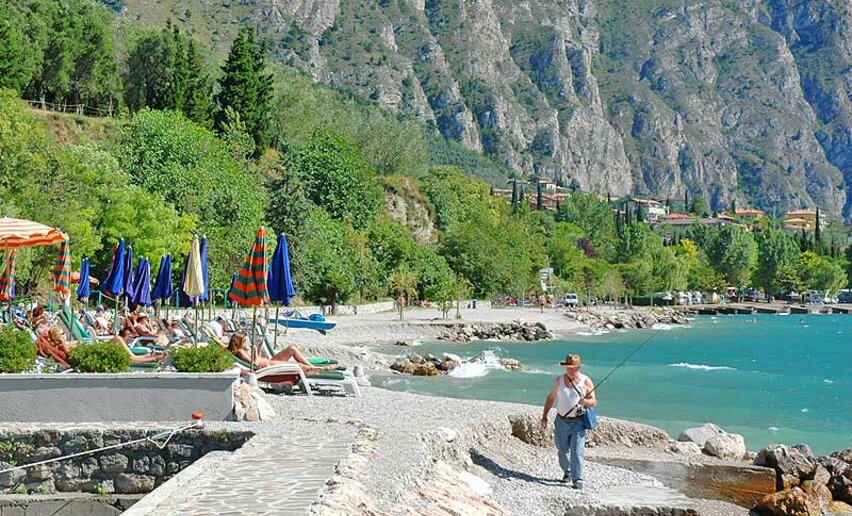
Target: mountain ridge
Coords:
[[746, 103]]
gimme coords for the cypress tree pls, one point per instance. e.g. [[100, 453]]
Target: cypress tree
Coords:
[[818, 233], [733, 207], [514, 193], [199, 96], [180, 71], [619, 227], [640, 217], [686, 201], [608, 199], [539, 200], [246, 88], [803, 241]]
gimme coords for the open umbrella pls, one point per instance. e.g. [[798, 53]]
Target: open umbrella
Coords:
[[279, 280], [127, 284], [62, 270], [7, 280], [250, 286], [15, 233], [141, 295], [84, 289], [114, 282], [193, 283]]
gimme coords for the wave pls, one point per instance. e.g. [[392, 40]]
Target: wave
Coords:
[[773, 429], [537, 371], [702, 367], [805, 410], [477, 368], [592, 333], [826, 380], [667, 327]]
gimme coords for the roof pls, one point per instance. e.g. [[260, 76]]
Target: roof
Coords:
[[676, 216], [801, 212], [749, 211]]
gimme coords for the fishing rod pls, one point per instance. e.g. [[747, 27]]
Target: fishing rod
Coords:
[[616, 368]]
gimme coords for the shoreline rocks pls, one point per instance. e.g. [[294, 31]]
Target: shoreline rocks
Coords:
[[430, 365], [517, 330], [629, 320], [716, 442]]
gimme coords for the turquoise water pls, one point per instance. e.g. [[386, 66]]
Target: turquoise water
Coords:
[[781, 379]]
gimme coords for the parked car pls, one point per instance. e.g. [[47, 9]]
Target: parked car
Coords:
[[697, 298], [684, 298], [814, 296], [845, 296], [570, 299], [752, 294]]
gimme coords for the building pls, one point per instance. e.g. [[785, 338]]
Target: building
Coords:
[[651, 209], [749, 213], [802, 219], [677, 224]]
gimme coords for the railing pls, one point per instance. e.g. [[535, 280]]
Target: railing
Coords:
[[77, 109]]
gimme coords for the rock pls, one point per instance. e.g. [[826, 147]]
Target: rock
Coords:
[[791, 502], [249, 404], [133, 484], [819, 491], [511, 364], [844, 455], [427, 369], [11, 478], [749, 456], [839, 508], [414, 358], [841, 486], [726, 446], [40, 472], [528, 430], [685, 448], [445, 357], [700, 434], [790, 465], [821, 475], [114, 463], [805, 450], [406, 343]]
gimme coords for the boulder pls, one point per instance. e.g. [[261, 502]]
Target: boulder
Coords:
[[726, 446], [445, 357], [791, 502], [840, 508], [700, 434], [511, 364], [527, 429], [821, 475], [819, 491], [790, 464], [844, 455], [685, 448], [405, 342], [426, 369], [133, 484], [414, 358], [841, 486]]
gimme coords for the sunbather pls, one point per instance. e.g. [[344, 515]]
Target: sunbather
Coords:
[[39, 321], [153, 356], [47, 349], [240, 347], [58, 339]]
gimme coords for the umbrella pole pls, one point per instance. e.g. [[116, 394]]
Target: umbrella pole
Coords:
[[253, 332], [196, 322], [275, 345]]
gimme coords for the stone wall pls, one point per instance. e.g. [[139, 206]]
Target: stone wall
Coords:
[[134, 469]]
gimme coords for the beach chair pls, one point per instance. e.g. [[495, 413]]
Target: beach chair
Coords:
[[269, 351]]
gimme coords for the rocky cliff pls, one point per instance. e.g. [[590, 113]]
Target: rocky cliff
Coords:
[[740, 101]]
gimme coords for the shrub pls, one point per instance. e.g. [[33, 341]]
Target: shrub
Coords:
[[17, 351], [209, 359], [100, 358]]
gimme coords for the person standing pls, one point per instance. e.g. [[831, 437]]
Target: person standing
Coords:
[[573, 392]]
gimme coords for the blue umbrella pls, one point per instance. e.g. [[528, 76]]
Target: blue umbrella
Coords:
[[83, 290], [279, 281], [114, 282], [127, 286], [203, 252], [183, 299], [163, 288], [141, 295]]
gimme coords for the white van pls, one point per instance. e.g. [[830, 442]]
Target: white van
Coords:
[[571, 299]]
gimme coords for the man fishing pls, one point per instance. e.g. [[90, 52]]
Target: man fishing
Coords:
[[573, 392]]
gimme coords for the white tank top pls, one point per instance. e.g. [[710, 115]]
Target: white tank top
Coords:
[[567, 398]]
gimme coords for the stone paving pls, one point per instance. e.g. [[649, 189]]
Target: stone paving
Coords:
[[271, 474]]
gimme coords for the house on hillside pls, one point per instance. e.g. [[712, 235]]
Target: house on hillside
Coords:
[[673, 224], [651, 209], [802, 219], [749, 213]]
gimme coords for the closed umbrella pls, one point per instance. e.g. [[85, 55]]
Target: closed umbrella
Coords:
[[62, 270], [250, 287], [279, 280], [141, 295], [163, 288], [128, 285], [84, 289], [202, 249], [193, 283], [114, 282]]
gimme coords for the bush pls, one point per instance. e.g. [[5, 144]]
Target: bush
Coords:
[[17, 351], [209, 359], [100, 358]]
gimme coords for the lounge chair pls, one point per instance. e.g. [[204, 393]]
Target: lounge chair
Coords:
[[293, 373]]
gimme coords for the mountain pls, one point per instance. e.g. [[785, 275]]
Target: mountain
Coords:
[[739, 101]]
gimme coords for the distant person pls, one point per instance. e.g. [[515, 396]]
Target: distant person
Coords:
[[218, 326], [240, 347], [126, 335], [573, 392]]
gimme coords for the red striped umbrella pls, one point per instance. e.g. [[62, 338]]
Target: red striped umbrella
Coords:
[[62, 271], [250, 287], [15, 233], [7, 280]]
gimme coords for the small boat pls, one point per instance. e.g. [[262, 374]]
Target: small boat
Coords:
[[312, 322]]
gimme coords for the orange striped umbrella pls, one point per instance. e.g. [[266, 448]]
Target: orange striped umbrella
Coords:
[[15, 233], [7, 280], [62, 272], [250, 287]]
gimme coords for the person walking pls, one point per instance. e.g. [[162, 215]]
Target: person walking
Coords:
[[573, 392]]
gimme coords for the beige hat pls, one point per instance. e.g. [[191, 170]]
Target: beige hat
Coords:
[[571, 360]]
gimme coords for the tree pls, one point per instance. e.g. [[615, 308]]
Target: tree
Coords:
[[539, 199], [336, 177], [149, 80], [198, 105], [514, 193], [818, 233], [732, 252], [18, 62], [776, 250], [699, 206], [591, 215], [287, 207], [822, 273], [246, 88]]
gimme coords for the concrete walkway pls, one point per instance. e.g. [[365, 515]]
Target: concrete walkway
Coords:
[[271, 474]]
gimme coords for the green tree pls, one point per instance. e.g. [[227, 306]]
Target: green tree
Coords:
[[822, 273], [591, 215], [18, 61], [637, 242], [149, 80], [732, 252], [198, 105], [246, 88], [403, 285], [336, 177], [776, 250], [286, 209]]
